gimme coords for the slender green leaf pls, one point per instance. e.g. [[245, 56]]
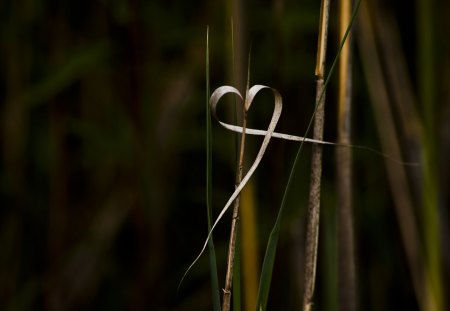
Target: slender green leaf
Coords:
[[212, 254]]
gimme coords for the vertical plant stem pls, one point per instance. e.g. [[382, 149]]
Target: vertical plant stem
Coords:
[[234, 221], [234, 9], [312, 229], [346, 261], [237, 270], [212, 253], [427, 91]]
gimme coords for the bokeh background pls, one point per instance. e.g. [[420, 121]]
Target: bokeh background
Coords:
[[102, 149]]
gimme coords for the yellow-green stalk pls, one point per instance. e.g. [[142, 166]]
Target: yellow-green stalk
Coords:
[[346, 261]]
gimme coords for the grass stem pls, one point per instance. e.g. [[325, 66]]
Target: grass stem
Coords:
[[235, 219], [346, 260], [312, 229], [212, 253]]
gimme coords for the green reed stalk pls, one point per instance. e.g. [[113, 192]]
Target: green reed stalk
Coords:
[[212, 253], [427, 91]]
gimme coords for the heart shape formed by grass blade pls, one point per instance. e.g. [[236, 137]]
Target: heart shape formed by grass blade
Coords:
[[223, 90], [215, 97], [251, 93]]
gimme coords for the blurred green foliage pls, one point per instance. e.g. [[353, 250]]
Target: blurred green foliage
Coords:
[[102, 155]]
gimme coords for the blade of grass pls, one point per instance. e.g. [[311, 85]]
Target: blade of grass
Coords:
[[235, 106], [212, 254], [214, 99], [250, 131], [269, 257]]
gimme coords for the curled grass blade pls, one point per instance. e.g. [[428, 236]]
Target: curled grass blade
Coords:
[[250, 131], [215, 97]]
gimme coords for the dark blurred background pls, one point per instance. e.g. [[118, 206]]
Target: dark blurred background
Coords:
[[102, 162]]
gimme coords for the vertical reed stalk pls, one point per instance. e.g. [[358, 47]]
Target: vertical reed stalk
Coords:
[[212, 253], [346, 260], [312, 229], [234, 77], [428, 99], [248, 255], [235, 219]]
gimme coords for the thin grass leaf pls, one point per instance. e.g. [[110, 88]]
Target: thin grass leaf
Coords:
[[212, 254], [250, 131]]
